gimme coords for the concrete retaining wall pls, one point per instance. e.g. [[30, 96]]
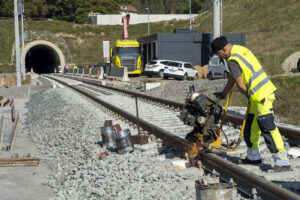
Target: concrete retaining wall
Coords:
[[135, 19]]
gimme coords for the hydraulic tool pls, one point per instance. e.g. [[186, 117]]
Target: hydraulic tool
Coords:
[[205, 115]]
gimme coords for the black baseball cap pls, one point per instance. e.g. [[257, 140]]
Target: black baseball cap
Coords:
[[217, 44]]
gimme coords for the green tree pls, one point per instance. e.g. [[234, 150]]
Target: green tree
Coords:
[[63, 9], [32, 8], [197, 6], [77, 10], [6, 8], [155, 6], [35, 8]]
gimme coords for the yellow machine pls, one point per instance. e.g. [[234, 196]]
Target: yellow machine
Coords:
[[204, 115], [127, 53]]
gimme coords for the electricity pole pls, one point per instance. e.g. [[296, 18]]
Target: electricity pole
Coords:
[[17, 43], [148, 21], [190, 5], [217, 18], [21, 10]]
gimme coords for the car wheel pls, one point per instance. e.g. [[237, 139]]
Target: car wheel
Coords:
[[210, 76], [166, 77], [225, 74], [196, 77], [161, 73], [185, 77]]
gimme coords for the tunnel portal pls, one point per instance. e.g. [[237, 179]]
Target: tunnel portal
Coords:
[[43, 57]]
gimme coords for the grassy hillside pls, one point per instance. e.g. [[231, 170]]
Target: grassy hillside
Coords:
[[271, 29]]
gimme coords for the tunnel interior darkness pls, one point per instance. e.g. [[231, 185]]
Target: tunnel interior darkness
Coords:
[[42, 59]]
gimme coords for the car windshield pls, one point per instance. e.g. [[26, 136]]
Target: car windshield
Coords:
[[128, 51], [174, 64], [214, 61], [164, 62], [152, 62]]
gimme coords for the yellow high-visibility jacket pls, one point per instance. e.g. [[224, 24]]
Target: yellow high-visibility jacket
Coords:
[[258, 84]]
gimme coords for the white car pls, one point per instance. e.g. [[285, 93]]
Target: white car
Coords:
[[217, 68], [180, 70], [155, 67]]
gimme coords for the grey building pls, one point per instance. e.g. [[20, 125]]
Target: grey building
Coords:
[[182, 45]]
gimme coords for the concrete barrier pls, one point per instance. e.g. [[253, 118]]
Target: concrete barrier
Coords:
[[90, 73], [80, 70], [149, 86], [125, 75], [95, 72], [101, 73], [86, 72]]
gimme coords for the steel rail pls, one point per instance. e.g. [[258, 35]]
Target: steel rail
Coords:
[[240, 175], [246, 179], [167, 136], [287, 132]]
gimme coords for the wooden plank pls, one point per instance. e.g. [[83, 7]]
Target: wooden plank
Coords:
[[19, 164], [1, 131], [12, 134], [19, 159]]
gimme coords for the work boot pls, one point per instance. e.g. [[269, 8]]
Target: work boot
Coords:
[[281, 168], [248, 161], [253, 157], [281, 159]]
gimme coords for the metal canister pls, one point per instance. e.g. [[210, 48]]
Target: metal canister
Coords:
[[108, 136], [123, 141], [215, 191]]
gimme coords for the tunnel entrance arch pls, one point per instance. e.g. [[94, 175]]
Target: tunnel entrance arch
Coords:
[[43, 57]]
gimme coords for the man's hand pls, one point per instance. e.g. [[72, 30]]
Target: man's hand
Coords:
[[220, 95]]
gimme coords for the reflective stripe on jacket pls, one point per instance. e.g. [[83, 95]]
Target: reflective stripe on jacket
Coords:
[[258, 84]]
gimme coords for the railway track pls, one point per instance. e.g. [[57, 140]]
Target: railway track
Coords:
[[289, 132], [164, 124]]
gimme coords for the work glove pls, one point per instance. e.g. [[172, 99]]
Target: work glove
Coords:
[[220, 95]]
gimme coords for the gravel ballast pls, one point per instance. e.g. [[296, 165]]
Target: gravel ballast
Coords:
[[66, 129], [177, 90]]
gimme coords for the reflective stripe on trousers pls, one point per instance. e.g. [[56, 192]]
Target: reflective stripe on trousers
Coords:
[[253, 154], [281, 159], [260, 119]]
